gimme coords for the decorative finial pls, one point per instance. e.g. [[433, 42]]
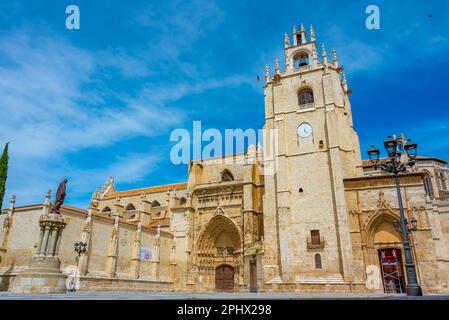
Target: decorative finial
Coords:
[[277, 69], [46, 206], [286, 40], [323, 50], [301, 29], [96, 195], [324, 55], [267, 73], [294, 29], [312, 34], [344, 82], [314, 57], [95, 199], [12, 202], [334, 57]]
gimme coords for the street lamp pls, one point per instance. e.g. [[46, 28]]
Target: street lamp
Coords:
[[80, 248], [412, 226], [396, 147]]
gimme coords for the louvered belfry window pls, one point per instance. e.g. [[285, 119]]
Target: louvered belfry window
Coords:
[[305, 97]]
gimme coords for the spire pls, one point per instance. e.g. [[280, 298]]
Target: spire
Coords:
[[286, 40], [96, 196], [323, 53], [334, 57], [12, 203], [323, 50], [314, 57], [277, 69], [108, 187], [312, 34], [48, 196], [46, 206], [267, 73], [302, 35]]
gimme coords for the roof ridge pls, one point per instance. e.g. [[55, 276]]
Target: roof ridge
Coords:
[[138, 191]]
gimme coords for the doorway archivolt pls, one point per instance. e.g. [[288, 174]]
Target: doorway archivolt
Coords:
[[219, 243]]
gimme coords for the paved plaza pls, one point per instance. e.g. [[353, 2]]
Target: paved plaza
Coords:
[[210, 296]]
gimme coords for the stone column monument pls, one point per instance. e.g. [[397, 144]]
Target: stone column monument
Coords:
[[44, 274]]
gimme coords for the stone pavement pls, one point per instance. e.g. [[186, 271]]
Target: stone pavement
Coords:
[[209, 296]]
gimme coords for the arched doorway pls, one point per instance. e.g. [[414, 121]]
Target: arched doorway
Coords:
[[392, 270], [224, 278], [218, 256], [383, 252]]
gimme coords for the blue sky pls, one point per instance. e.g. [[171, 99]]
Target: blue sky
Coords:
[[102, 100]]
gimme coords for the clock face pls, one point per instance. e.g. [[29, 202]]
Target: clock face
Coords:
[[305, 130]]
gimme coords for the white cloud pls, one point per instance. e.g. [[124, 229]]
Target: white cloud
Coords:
[[47, 112], [50, 110], [55, 103]]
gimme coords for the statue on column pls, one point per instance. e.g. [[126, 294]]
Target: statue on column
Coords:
[[60, 196]]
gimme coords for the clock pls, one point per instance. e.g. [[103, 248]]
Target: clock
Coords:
[[305, 130]]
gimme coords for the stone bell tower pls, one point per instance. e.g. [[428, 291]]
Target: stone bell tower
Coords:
[[305, 218]]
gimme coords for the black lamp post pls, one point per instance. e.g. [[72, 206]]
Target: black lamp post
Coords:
[[395, 147], [80, 248]]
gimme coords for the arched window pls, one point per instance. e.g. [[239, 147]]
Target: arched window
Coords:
[[442, 178], [318, 264], [130, 207], [301, 60], [428, 185], [106, 210], [226, 175], [155, 203], [305, 99]]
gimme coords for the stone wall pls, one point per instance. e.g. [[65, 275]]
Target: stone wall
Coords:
[[373, 205], [23, 236]]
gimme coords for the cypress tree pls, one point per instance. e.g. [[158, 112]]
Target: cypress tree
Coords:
[[3, 173]]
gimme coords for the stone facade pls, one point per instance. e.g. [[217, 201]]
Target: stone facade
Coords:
[[319, 222]]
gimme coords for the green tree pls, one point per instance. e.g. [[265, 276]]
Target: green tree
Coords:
[[3, 173]]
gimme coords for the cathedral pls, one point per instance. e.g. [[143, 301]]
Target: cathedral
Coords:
[[323, 221]]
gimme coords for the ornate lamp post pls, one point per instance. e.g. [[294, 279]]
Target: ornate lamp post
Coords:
[[396, 147], [80, 248]]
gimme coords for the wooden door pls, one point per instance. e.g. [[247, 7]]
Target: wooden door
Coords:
[[224, 278], [253, 276]]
